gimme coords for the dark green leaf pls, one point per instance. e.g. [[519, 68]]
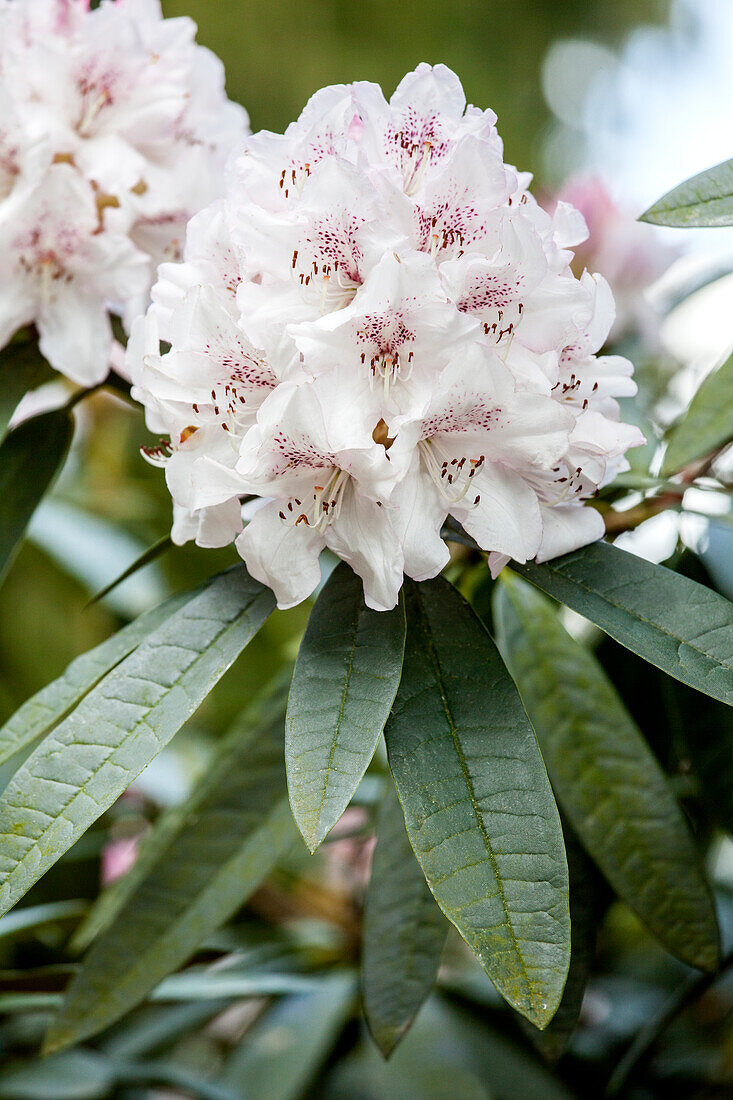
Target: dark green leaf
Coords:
[[22, 368], [344, 684], [305, 1028], [52, 703], [704, 200], [207, 858], [586, 894], [674, 623], [79, 770], [606, 777], [478, 806], [707, 424], [404, 933], [30, 457]]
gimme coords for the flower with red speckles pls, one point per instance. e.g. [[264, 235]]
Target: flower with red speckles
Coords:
[[378, 328], [114, 131]]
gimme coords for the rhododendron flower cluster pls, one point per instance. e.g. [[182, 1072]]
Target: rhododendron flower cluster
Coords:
[[114, 131], [375, 330]]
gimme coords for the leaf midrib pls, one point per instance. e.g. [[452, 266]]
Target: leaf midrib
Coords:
[[435, 661]]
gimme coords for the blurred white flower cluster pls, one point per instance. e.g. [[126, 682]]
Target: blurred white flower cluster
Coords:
[[628, 253], [376, 329], [114, 131]]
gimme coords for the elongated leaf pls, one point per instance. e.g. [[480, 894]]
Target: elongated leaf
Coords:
[[704, 200], [37, 916], [344, 684], [169, 825], [674, 623], [586, 907], [22, 368], [30, 457], [236, 823], [76, 1075], [305, 1028], [52, 703], [79, 770], [477, 802], [707, 424], [609, 782], [154, 1028], [404, 933], [213, 983]]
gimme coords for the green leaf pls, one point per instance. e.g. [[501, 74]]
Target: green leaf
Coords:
[[303, 1029], [674, 623], [155, 1027], [169, 825], [79, 770], [22, 368], [30, 457], [606, 777], [76, 1075], [477, 802], [32, 917], [208, 857], [52, 703], [404, 933], [344, 684], [586, 893], [704, 200], [212, 983], [707, 424]]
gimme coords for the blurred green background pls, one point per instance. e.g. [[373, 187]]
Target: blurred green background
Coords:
[[278, 52]]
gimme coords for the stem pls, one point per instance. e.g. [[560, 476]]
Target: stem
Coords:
[[686, 994]]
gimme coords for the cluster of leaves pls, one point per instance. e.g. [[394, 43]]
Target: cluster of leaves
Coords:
[[519, 782]]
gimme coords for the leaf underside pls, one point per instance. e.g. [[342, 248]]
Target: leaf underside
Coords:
[[704, 200]]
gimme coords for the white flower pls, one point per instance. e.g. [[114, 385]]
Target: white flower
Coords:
[[114, 132], [378, 329]]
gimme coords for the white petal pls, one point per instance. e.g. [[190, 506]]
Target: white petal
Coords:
[[76, 335], [507, 517], [418, 512], [567, 527], [283, 557], [363, 536], [209, 527]]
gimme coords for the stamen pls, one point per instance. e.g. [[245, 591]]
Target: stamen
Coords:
[[326, 506], [452, 476]]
